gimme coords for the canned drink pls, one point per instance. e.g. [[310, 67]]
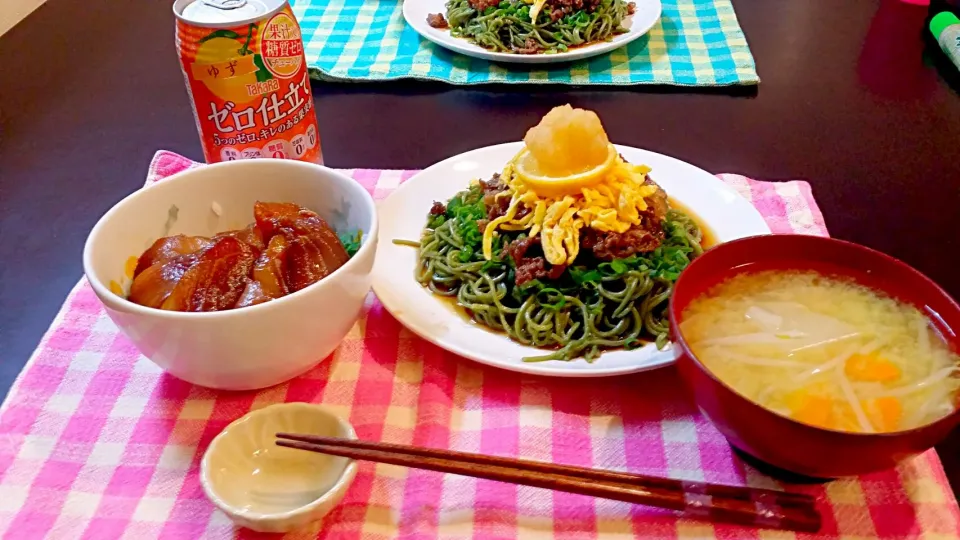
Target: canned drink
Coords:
[[244, 65]]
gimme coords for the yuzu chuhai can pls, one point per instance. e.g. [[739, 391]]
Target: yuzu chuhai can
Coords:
[[243, 63]]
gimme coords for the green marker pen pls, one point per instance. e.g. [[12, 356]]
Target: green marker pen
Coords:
[[946, 28]]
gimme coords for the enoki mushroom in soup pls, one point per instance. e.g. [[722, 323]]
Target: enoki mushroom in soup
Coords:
[[824, 351]]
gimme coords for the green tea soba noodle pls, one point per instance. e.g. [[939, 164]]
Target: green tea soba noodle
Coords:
[[591, 307]]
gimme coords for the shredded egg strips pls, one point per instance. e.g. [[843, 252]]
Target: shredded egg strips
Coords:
[[536, 8], [612, 205]]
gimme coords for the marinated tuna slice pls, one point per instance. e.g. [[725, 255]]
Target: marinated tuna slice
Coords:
[[317, 244], [268, 270], [250, 235], [268, 277], [306, 264], [216, 281], [152, 286], [286, 249], [252, 295], [169, 248]]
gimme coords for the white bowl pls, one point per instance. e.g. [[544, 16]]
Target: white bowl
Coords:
[[252, 347], [269, 488]]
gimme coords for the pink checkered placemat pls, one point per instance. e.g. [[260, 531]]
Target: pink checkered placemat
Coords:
[[97, 442]]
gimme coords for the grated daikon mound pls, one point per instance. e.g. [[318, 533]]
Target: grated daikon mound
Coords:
[[568, 141]]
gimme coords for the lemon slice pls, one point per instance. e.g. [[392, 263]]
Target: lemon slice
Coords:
[[527, 168]]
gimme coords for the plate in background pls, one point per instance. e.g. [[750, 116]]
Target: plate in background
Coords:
[[645, 15]]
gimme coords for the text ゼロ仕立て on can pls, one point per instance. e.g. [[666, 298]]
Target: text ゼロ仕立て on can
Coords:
[[244, 65]]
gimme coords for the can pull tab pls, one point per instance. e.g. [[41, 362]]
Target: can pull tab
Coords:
[[225, 4]]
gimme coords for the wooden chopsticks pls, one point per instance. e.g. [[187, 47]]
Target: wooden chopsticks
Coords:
[[746, 506]]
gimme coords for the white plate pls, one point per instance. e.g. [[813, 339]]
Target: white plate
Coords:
[[404, 213], [646, 14]]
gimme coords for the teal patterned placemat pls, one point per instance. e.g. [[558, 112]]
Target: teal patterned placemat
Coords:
[[696, 43]]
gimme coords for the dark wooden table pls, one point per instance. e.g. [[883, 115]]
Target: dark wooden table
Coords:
[[849, 100]]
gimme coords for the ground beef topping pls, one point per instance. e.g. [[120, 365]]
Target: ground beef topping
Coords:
[[438, 209], [530, 46], [530, 268], [607, 246], [436, 20], [497, 204], [481, 5]]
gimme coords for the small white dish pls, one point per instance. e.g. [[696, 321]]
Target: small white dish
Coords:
[[403, 215], [645, 15], [269, 488]]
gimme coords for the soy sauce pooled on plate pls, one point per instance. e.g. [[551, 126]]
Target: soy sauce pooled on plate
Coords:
[[286, 249]]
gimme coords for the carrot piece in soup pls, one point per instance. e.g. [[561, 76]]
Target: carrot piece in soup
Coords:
[[813, 410], [886, 413], [871, 368]]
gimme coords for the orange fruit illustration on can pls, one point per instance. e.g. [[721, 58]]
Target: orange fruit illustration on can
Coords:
[[226, 66]]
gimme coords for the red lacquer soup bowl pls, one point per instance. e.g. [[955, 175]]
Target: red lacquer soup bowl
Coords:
[[778, 440]]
